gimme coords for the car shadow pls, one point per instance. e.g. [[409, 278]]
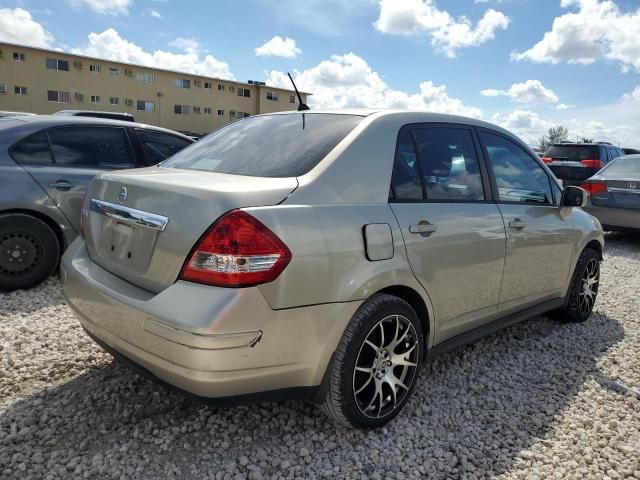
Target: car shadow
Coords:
[[622, 244], [474, 411]]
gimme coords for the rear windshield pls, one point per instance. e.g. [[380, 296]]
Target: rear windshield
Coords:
[[573, 153], [629, 167], [267, 146]]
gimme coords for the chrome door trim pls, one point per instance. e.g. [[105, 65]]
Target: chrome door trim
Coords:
[[130, 216], [623, 190]]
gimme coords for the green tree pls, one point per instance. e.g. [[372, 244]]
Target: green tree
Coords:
[[556, 134]]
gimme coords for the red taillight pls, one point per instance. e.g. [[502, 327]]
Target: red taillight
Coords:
[[592, 163], [594, 187], [547, 159], [236, 251]]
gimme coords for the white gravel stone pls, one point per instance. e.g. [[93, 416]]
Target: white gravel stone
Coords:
[[540, 400]]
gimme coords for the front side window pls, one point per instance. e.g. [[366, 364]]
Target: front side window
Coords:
[[32, 150], [519, 178], [159, 146], [436, 164], [93, 147], [267, 146]]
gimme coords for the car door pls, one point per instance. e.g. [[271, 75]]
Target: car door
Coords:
[[540, 235], [76, 155], [453, 232], [158, 146]]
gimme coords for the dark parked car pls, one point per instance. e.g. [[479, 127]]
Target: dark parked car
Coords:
[[573, 163], [46, 165], [631, 151], [127, 117], [614, 194]]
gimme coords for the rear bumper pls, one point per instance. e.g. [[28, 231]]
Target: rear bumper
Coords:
[[211, 342], [613, 218]]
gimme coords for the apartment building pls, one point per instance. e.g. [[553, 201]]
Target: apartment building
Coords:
[[45, 81]]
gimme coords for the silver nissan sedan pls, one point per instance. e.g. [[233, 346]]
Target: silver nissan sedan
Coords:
[[326, 255]]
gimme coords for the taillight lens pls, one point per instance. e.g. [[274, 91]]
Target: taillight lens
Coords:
[[237, 251], [547, 159], [594, 187], [592, 163]]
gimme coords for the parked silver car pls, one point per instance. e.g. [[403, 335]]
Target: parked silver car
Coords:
[[614, 194], [326, 255], [46, 165]]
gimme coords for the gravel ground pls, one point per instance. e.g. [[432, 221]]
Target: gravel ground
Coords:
[[539, 400]]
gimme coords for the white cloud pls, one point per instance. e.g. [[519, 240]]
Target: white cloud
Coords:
[[448, 34], [635, 95], [597, 30], [110, 7], [18, 26], [531, 91], [349, 81], [279, 47], [155, 13], [565, 106], [526, 124], [110, 45], [186, 44]]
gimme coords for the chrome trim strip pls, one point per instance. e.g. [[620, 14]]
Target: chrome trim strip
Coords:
[[623, 190], [130, 216]]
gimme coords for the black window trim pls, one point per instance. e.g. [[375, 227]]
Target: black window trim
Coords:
[[555, 202], [53, 157], [484, 173]]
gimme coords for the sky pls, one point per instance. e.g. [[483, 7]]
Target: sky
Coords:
[[523, 64]]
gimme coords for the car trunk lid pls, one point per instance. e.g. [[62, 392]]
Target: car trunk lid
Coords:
[[142, 224], [620, 193]]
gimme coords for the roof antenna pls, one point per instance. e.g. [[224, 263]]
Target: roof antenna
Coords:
[[301, 106]]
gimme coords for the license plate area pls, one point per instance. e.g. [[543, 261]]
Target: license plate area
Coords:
[[126, 244]]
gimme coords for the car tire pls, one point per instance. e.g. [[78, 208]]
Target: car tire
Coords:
[[29, 251], [583, 289], [376, 364]]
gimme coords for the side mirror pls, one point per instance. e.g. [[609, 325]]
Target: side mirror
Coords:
[[573, 197]]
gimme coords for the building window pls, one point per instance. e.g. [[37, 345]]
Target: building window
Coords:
[[181, 109], [145, 106], [244, 92], [232, 89], [58, 97], [207, 110], [114, 100], [55, 64], [240, 115], [113, 71], [183, 83], [272, 96], [18, 57], [208, 85], [292, 99], [94, 68], [95, 98], [20, 90], [220, 113], [143, 77], [220, 87], [196, 109]]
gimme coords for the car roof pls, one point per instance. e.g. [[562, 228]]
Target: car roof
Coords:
[[102, 112], [48, 121]]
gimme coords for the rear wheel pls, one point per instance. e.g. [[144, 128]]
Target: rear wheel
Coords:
[[376, 364], [29, 251], [583, 290]]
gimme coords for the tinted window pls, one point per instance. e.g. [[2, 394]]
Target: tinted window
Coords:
[[405, 182], [573, 153], [519, 177], [97, 147], [160, 146], [268, 146], [629, 167], [34, 150], [448, 164]]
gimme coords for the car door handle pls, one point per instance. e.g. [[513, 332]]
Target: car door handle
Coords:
[[517, 224], [62, 185], [423, 228]]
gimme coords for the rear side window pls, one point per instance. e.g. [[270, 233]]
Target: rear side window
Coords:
[[33, 150], [93, 147], [444, 167], [622, 167], [519, 177], [574, 153], [268, 146], [159, 146]]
